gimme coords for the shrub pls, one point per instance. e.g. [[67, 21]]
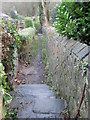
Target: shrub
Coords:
[[19, 17], [13, 14], [73, 20], [29, 22], [27, 36], [27, 33], [37, 24]]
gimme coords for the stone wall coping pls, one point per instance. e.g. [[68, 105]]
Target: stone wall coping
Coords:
[[80, 50]]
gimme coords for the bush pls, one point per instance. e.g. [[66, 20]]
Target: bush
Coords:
[[27, 36], [37, 24], [13, 14], [27, 33], [19, 17], [73, 20], [29, 22]]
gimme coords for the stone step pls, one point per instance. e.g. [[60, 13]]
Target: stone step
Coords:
[[37, 101], [38, 90], [49, 105]]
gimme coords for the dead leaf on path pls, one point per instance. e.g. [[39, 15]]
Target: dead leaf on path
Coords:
[[23, 82], [18, 82]]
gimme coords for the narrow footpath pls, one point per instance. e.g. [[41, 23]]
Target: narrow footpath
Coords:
[[32, 98]]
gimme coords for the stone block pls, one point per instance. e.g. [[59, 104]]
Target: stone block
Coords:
[[83, 53]]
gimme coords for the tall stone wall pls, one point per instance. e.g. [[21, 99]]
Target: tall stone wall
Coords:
[[63, 55]]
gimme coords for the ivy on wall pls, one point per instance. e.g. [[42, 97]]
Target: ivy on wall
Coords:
[[10, 42], [8, 113]]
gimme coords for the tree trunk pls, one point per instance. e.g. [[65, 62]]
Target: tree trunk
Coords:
[[40, 16], [45, 11]]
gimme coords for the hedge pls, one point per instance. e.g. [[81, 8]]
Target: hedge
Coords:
[[29, 22], [27, 36], [27, 33], [37, 24], [72, 20]]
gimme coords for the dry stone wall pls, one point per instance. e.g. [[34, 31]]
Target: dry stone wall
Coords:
[[63, 55]]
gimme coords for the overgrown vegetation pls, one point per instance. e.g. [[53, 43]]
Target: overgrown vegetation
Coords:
[[37, 24], [7, 97], [81, 67], [10, 42], [41, 16], [27, 37], [27, 33], [72, 20], [45, 60], [15, 15], [29, 22], [34, 47]]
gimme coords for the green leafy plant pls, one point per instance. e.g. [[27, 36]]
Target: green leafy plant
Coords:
[[27, 33], [29, 22], [81, 67], [5, 91], [72, 20], [37, 24], [13, 14], [11, 40]]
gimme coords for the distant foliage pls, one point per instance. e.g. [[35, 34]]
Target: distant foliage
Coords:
[[13, 14], [27, 34], [73, 20], [41, 16], [29, 22], [37, 24], [53, 15]]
